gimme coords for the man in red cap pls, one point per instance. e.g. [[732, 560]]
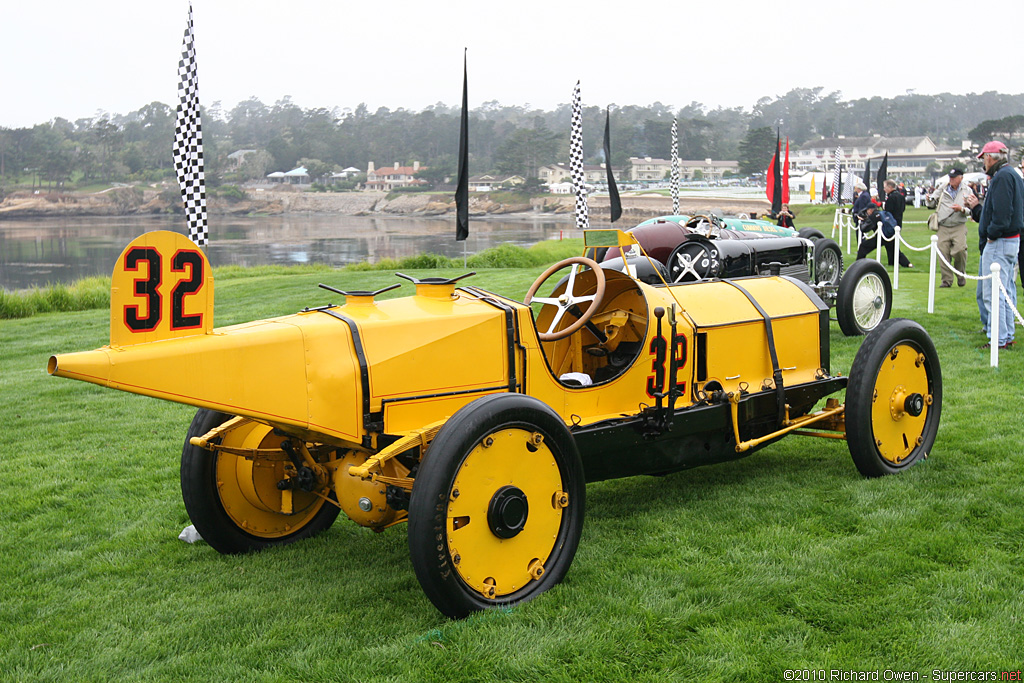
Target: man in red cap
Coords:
[[1002, 220]]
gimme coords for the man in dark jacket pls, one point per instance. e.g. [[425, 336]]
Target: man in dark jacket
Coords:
[[895, 202], [870, 220], [1002, 220]]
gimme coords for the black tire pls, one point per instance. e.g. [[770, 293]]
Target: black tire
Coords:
[[222, 529], [828, 262], [810, 234], [864, 299], [453, 582], [895, 374]]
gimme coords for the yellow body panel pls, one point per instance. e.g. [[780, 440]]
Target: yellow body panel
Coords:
[[419, 345], [737, 339], [296, 371]]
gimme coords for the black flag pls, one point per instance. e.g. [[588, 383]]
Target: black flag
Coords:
[[839, 192], [867, 176], [883, 173], [613, 190], [462, 188], [775, 180]]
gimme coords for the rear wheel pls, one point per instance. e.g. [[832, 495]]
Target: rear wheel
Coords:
[[234, 502], [497, 509], [894, 398], [864, 298]]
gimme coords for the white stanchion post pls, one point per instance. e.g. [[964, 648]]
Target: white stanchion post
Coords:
[[993, 318], [850, 232], [842, 223], [878, 242], [931, 273], [835, 222], [896, 260]]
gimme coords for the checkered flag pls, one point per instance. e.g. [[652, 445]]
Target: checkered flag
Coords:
[[836, 175], [675, 169], [848, 186], [188, 141], [576, 161]]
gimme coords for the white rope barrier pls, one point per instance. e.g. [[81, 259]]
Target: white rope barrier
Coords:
[[993, 320], [843, 222], [934, 247]]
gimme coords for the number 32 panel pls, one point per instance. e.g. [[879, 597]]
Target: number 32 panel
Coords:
[[161, 288]]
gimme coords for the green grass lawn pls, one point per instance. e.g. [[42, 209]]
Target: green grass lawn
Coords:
[[788, 559]]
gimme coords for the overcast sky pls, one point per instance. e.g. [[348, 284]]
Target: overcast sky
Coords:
[[75, 58]]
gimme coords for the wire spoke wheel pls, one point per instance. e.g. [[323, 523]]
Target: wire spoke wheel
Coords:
[[864, 298], [869, 302], [828, 262]]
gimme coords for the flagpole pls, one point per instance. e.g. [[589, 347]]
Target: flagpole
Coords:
[[462, 184]]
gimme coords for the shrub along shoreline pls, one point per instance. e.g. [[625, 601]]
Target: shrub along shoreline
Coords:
[[94, 292]]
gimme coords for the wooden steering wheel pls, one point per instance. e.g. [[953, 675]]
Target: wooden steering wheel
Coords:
[[568, 300]]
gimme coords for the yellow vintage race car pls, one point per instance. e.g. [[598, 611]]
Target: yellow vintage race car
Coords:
[[477, 419]]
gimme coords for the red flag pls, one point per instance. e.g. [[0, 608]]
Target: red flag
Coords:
[[774, 189], [785, 176]]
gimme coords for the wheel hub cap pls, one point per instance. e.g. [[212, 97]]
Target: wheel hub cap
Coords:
[[507, 513]]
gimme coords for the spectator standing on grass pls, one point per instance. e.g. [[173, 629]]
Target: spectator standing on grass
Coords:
[[1002, 219], [952, 213], [895, 204], [871, 220], [861, 198]]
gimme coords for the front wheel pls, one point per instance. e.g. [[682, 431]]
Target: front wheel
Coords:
[[894, 398], [864, 298], [497, 509], [234, 502]]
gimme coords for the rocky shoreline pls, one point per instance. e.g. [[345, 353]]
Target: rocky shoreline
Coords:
[[127, 201]]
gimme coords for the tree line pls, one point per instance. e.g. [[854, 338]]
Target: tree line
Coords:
[[503, 138]]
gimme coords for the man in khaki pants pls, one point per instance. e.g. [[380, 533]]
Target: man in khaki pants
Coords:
[[952, 215]]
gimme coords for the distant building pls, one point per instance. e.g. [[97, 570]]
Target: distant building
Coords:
[[560, 172], [236, 159], [296, 176], [388, 178], [486, 182], [908, 156], [647, 168], [552, 174], [650, 169], [345, 174]]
